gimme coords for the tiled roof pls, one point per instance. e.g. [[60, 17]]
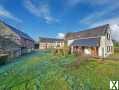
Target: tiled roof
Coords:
[[86, 42], [50, 40], [94, 32], [20, 33]]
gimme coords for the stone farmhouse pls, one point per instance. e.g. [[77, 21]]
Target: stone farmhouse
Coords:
[[96, 42], [47, 43], [14, 41]]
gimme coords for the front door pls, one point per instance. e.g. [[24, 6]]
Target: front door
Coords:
[[94, 51]]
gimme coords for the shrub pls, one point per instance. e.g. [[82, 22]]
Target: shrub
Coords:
[[62, 51]]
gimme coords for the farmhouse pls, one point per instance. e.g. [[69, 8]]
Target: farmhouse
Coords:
[[46, 43], [96, 42], [15, 41]]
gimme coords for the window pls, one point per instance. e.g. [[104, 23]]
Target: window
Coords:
[[108, 48], [108, 36], [111, 48]]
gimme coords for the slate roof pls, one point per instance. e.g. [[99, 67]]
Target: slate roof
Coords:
[[50, 40], [86, 42], [20, 33], [94, 32]]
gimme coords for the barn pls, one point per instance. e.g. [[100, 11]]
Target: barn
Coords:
[[17, 40]]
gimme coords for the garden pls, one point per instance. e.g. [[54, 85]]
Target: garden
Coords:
[[43, 70]]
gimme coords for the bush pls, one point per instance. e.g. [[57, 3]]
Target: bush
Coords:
[[62, 51]]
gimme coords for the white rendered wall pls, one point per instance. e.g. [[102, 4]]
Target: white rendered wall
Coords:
[[69, 42]]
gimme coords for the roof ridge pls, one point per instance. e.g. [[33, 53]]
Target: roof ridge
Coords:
[[90, 29]]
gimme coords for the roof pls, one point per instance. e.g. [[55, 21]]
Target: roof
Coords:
[[86, 42], [94, 32], [50, 40], [20, 33]]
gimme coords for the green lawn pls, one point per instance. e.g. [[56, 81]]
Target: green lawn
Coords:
[[44, 71]]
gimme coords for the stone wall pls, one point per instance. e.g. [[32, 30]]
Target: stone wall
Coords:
[[9, 47]]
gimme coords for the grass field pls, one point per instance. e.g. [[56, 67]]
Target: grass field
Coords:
[[44, 71]]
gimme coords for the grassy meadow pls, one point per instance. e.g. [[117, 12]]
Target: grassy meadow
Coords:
[[44, 71]]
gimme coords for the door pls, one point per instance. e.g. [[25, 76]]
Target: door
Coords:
[[103, 52]]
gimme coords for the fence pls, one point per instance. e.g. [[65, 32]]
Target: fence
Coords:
[[116, 49]]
